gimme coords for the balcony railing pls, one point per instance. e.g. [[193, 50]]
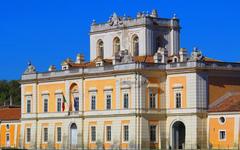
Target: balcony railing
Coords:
[[134, 66]]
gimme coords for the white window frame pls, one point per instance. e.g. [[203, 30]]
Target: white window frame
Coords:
[[76, 95], [57, 141], [106, 134], [106, 94], [28, 129], [123, 133], [59, 96], [176, 91], [93, 94], [153, 91], [95, 134], [123, 98], [7, 141], [45, 100], [219, 138], [28, 99], [156, 133], [44, 135]]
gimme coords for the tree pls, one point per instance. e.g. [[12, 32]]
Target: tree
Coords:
[[10, 89]]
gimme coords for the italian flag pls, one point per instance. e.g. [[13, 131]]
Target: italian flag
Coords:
[[63, 103]]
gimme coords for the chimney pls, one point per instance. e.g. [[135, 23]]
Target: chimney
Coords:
[[52, 68], [183, 55], [164, 53], [79, 59]]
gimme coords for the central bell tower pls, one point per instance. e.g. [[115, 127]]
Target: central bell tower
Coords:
[[140, 36]]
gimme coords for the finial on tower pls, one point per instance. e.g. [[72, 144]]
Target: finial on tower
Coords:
[[154, 13], [174, 16], [94, 22]]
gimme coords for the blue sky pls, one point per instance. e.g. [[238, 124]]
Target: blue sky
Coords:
[[48, 31]]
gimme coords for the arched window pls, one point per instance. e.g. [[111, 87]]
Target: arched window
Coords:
[[135, 45], [159, 42], [116, 45], [100, 48], [74, 98]]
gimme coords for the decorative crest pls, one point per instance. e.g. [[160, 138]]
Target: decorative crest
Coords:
[[114, 20]]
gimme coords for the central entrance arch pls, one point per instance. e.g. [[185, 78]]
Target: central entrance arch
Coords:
[[73, 134], [178, 135]]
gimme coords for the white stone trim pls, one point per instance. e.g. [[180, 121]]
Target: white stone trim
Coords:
[[45, 93], [106, 134], [90, 130], [175, 91], [177, 86], [105, 98], [90, 98], [125, 124], [92, 89], [59, 142], [125, 91], [28, 94], [108, 88], [43, 101], [153, 85]]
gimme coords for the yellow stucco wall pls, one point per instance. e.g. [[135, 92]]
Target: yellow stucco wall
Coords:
[[177, 80], [27, 89], [51, 88], [215, 126], [100, 97], [12, 133], [3, 135]]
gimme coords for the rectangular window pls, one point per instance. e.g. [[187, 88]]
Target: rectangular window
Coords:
[[222, 135], [93, 133], [153, 136], [178, 97], [108, 101], [109, 133], [45, 134], [28, 106], [59, 134], [7, 138], [152, 100], [93, 102], [125, 100], [76, 103], [28, 135], [125, 133], [59, 105], [45, 105]]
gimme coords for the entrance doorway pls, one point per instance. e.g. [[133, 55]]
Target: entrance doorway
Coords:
[[73, 135], [178, 135]]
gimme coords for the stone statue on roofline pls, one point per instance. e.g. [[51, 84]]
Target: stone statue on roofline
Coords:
[[126, 57], [30, 69], [196, 55]]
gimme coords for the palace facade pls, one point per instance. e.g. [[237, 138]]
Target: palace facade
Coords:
[[139, 90]]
